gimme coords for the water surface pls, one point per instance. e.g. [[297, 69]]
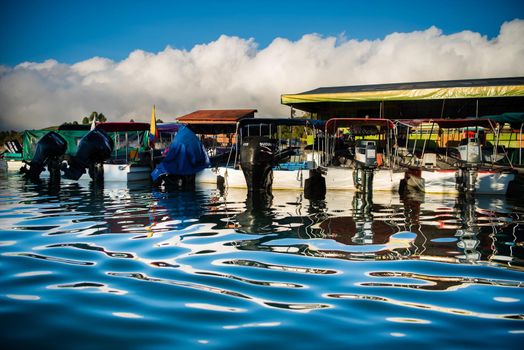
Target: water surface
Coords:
[[136, 268]]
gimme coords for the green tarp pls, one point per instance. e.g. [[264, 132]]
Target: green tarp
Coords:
[[135, 142], [31, 138]]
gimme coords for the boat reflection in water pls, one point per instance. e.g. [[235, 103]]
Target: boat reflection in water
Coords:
[[350, 226], [258, 216], [419, 227]]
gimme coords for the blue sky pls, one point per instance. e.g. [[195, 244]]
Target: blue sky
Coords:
[[72, 31], [60, 60]]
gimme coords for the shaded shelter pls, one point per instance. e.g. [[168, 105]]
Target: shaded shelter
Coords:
[[434, 99]]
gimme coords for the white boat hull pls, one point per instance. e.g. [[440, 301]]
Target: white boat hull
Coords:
[[14, 165], [336, 179], [126, 172], [383, 179], [444, 181], [234, 178], [112, 172]]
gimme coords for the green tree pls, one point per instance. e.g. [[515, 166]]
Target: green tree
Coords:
[[98, 117], [94, 115]]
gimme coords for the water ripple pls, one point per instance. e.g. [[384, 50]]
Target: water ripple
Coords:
[[50, 258], [142, 267], [460, 312]]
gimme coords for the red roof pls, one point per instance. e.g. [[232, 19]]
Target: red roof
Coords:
[[217, 116]]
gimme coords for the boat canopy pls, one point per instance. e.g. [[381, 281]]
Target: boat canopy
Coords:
[[168, 127], [334, 123], [514, 119], [81, 127], [123, 126], [283, 121], [450, 123]]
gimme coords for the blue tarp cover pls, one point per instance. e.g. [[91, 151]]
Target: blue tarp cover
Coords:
[[186, 156]]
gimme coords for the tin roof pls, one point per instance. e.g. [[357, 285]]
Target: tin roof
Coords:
[[217, 116]]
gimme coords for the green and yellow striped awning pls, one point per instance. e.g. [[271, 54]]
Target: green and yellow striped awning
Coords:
[[438, 90]]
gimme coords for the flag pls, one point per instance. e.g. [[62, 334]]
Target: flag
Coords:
[[93, 124], [153, 131]]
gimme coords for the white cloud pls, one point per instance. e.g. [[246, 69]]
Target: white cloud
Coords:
[[234, 73]]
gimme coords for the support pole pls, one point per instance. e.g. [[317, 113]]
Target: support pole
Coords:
[[520, 144], [426, 140]]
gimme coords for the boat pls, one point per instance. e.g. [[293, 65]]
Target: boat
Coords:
[[218, 132], [201, 148], [40, 147], [223, 133], [185, 157], [509, 137], [130, 159], [166, 135], [110, 152], [23, 153], [358, 155], [11, 158], [276, 153], [453, 157], [458, 99]]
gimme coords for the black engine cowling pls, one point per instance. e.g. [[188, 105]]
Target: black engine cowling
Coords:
[[94, 148], [48, 152], [257, 158]]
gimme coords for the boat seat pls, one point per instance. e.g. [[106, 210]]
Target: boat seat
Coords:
[[429, 159]]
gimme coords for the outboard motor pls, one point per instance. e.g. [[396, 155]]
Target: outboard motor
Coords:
[[48, 152], [257, 158], [470, 150], [366, 162], [466, 179], [94, 148]]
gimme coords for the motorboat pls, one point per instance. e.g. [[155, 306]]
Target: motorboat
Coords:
[[453, 156], [358, 155]]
